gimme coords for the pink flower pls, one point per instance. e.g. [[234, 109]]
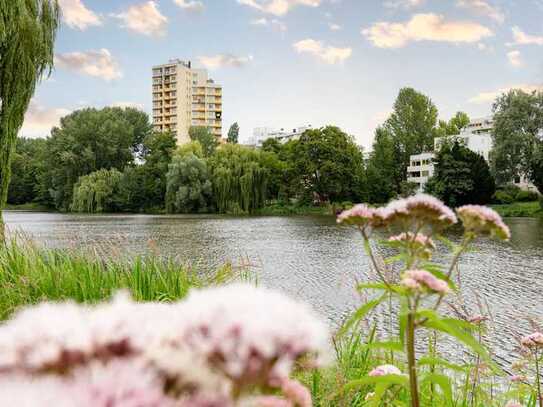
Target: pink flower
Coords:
[[297, 393], [517, 378], [422, 279], [272, 401], [385, 370], [420, 240], [422, 207], [512, 403], [534, 340], [483, 220], [362, 215]]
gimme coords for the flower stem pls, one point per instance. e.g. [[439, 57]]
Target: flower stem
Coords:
[[538, 379], [411, 359]]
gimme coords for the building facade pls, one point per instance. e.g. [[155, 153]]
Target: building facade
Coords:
[[185, 97], [421, 169], [261, 134]]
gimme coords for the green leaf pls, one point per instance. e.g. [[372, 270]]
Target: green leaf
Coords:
[[359, 314], [443, 382], [390, 379], [372, 286]]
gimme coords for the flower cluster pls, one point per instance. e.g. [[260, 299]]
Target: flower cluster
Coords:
[[419, 280], [483, 220], [212, 349], [385, 370], [534, 340], [363, 216]]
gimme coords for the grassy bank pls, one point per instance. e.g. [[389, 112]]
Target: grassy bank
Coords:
[[30, 206], [519, 209], [29, 275]]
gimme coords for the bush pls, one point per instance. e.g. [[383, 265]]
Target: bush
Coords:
[[502, 197], [526, 196], [541, 201]]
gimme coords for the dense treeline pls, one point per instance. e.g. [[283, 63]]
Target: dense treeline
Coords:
[[111, 160]]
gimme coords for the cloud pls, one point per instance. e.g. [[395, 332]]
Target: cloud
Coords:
[[328, 54], [515, 59], [144, 18], [224, 60], [76, 15], [405, 4], [521, 38], [274, 23], [278, 7], [334, 27], [190, 5], [483, 8], [425, 27], [39, 120], [98, 63], [490, 96]]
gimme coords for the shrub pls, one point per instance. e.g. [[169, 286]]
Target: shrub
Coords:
[[502, 197], [526, 196]]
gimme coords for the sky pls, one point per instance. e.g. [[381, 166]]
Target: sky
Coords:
[[290, 63]]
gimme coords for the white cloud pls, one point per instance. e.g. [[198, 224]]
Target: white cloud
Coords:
[[76, 15], [39, 120], [144, 18], [190, 5], [405, 4], [334, 27], [274, 23], [278, 7], [521, 38], [425, 27], [328, 54], [483, 8], [224, 60], [515, 59], [490, 96], [97, 63]]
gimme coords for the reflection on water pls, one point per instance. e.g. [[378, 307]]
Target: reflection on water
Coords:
[[310, 257]]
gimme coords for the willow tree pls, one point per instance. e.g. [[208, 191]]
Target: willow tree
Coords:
[[27, 37]]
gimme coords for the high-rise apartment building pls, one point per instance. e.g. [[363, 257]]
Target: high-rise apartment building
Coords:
[[185, 97]]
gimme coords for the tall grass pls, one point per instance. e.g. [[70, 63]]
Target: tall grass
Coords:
[[29, 275]]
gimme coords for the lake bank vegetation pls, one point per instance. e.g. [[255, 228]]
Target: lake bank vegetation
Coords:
[[368, 364]]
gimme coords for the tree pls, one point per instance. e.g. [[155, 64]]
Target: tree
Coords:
[[328, 165], [239, 179], [412, 126], [97, 192], [26, 169], [189, 188], [461, 177], [207, 140], [233, 134], [454, 126], [381, 168], [27, 37], [518, 121], [89, 140], [536, 168]]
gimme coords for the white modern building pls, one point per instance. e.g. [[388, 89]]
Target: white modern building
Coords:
[[421, 169], [261, 134]]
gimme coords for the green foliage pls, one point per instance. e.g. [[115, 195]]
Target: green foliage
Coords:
[[194, 147], [502, 197], [526, 196], [518, 120], [412, 127], [27, 37], [233, 134], [89, 140], [240, 179], [520, 209], [189, 188], [97, 192], [461, 177], [381, 168], [26, 170], [453, 126], [207, 140], [29, 275], [328, 166]]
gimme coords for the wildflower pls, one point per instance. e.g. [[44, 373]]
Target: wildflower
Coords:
[[517, 378], [297, 393], [271, 401], [362, 215], [385, 370], [422, 279], [418, 239], [534, 340], [513, 403], [421, 207], [483, 220]]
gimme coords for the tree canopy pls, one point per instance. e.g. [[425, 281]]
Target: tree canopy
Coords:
[[233, 134], [207, 140]]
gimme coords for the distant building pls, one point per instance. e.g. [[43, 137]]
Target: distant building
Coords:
[[261, 134], [476, 136], [185, 97]]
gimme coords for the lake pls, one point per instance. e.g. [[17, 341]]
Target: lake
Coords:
[[309, 257]]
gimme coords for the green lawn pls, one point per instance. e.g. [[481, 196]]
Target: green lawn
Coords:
[[519, 209]]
